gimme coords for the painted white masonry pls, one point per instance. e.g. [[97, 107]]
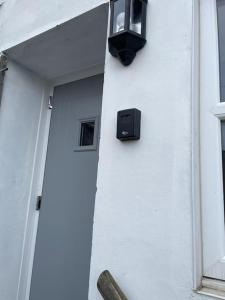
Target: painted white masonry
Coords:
[[143, 215], [143, 219], [19, 122], [22, 19]]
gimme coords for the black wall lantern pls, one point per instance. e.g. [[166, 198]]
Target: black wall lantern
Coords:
[[127, 28]]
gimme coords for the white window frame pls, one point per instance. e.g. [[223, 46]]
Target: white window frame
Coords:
[[209, 232], [212, 111]]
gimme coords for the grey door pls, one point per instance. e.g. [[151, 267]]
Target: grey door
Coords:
[[63, 245]]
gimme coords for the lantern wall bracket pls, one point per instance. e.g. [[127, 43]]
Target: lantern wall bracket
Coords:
[[125, 46]]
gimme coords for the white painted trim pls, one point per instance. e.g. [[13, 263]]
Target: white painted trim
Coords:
[[46, 117], [211, 293], [219, 110], [196, 197], [81, 74], [213, 284], [94, 147], [213, 288], [211, 111], [35, 190]]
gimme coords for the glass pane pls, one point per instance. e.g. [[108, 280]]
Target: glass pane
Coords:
[[221, 32], [87, 133], [223, 154], [135, 16], [119, 16]]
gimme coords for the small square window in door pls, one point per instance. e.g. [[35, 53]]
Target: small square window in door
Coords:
[[87, 134], [87, 131]]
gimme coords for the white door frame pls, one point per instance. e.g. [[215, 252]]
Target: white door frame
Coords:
[[38, 177]]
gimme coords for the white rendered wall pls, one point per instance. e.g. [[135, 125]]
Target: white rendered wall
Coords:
[[143, 215], [19, 121], [22, 19], [142, 226]]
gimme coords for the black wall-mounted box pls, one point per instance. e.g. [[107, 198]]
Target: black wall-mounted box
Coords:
[[128, 124]]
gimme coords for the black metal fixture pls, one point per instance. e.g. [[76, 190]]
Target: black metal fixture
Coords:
[[128, 124], [127, 28]]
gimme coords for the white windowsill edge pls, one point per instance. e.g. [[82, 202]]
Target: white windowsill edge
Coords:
[[211, 293], [212, 287]]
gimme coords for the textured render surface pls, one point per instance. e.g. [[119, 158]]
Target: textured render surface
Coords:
[[143, 215], [19, 119], [75, 45], [142, 224], [22, 19]]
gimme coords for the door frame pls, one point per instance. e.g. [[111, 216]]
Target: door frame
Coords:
[[38, 176]]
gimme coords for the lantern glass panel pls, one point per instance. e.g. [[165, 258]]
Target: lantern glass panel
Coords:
[[136, 16], [119, 16]]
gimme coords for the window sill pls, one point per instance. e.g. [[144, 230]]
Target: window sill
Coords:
[[212, 287]]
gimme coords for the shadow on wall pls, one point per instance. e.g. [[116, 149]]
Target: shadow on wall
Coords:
[[1, 85]]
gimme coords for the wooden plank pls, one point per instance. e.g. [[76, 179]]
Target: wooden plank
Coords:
[[108, 287]]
